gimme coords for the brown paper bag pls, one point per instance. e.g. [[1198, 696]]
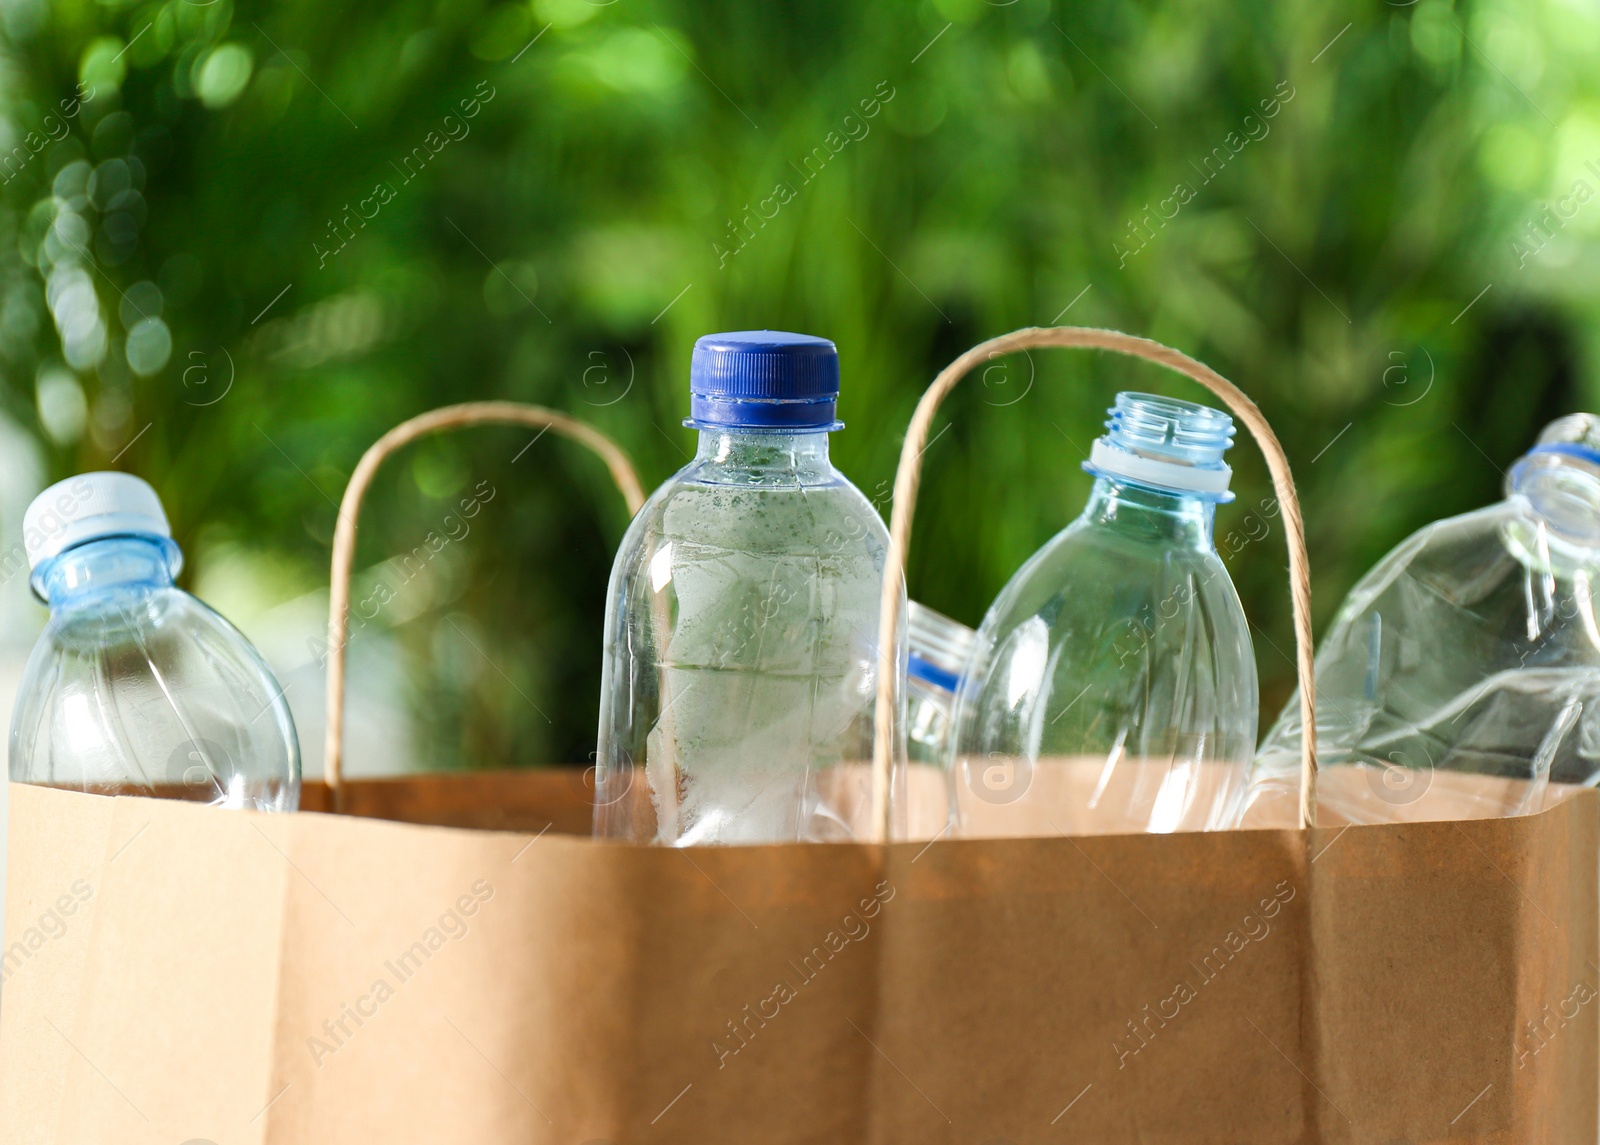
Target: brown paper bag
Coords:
[[440, 962]]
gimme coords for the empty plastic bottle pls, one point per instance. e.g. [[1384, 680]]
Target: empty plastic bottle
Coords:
[[937, 651], [739, 670], [135, 687], [1113, 685], [1461, 676]]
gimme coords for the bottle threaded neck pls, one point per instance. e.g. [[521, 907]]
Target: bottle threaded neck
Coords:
[[89, 571], [1167, 444], [938, 646], [1559, 478], [1167, 429]]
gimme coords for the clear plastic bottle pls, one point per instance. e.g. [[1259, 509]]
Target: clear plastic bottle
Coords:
[[937, 649], [1113, 684], [739, 673], [135, 687], [1461, 676]]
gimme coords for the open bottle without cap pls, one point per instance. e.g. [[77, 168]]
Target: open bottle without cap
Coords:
[[936, 654], [1461, 676], [739, 672], [1112, 685], [135, 687]]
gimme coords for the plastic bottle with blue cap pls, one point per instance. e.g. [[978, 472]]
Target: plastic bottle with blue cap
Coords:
[[739, 670], [1461, 676], [135, 687], [1112, 685]]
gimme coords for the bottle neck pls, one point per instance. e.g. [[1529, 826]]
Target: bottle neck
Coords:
[[763, 457], [113, 565], [1557, 497], [1148, 514]]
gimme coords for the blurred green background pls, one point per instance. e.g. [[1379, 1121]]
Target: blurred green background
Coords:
[[264, 234]]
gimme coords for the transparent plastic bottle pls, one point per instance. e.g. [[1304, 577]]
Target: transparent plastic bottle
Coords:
[[739, 675], [135, 687], [937, 652], [1113, 685], [1461, 676]]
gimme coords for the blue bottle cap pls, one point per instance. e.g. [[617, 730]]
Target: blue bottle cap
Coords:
[[764, 381]]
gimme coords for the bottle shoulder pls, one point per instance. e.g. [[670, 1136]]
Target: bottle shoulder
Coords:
[[1462, 584], [705, 472], [1084, 571], [138, 607], [117, 684], [166, 627], [817, 516]]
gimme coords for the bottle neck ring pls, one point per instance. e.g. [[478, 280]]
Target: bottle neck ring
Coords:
[[762, 415], [1106, 460], [94, 569]]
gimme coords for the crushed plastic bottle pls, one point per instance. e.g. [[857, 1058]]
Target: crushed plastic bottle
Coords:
[[1113, 684], [1461, 676], [135, 687], [739, 673]]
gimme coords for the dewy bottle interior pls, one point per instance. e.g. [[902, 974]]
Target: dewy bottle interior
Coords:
[[1461, 676], [135, 687], [739, 667], [1112, 686]]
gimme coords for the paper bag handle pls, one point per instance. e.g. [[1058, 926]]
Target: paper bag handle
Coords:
[[344, 533], [909, 475]]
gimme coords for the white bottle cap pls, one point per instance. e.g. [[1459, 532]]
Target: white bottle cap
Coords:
[[90, 506]]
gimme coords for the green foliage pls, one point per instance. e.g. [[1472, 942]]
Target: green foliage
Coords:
[[274, 231]]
